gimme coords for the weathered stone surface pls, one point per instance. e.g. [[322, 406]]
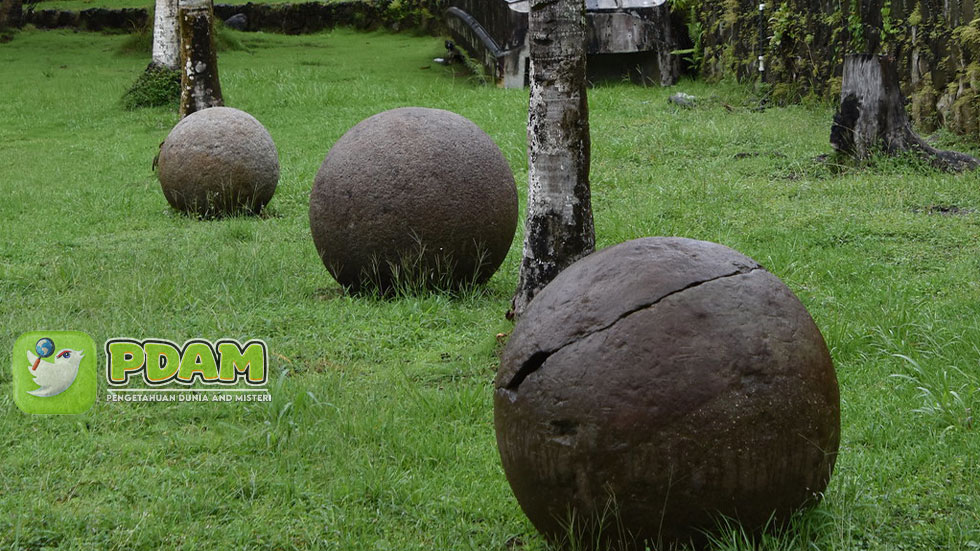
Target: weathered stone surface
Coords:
[[678, 379], [93, 19], [311, 17], [418, 193], [681, 99], [239, 22], [290, 18], [219, 161]]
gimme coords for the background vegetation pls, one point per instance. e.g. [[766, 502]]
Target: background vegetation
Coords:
[[936, 45], [802, 42], [380, 432]]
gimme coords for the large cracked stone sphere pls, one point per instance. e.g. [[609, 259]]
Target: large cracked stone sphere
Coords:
[[658, 384], [413, 196], [219, 161]]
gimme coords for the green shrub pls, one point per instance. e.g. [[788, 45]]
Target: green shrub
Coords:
[[156, 86]]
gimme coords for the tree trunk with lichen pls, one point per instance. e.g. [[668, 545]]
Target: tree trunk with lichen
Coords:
[[872, 116], [558, 227], [199, 85], [11, 13], [166, 52]]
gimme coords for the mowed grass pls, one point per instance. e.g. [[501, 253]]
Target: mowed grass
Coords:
[[380, 433]]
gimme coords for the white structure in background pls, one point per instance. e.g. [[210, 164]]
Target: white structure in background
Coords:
[[624, 36]]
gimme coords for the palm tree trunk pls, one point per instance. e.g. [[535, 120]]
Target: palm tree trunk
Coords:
[[165, 39], [558, 226]]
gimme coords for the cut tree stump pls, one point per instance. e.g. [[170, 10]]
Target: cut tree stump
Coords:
[[872, 117], [199, 85], [11, 14]]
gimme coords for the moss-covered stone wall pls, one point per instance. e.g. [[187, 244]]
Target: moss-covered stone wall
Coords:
[[936, 44], [292, 18]]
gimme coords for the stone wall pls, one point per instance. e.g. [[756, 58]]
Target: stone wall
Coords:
[[309, 17], [94, 19], [936, 44], [304, 17]]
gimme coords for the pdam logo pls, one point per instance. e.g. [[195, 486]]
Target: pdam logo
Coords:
[[165, 372], [54, 372]]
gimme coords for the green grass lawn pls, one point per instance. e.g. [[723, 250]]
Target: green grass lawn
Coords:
[[380, 432]]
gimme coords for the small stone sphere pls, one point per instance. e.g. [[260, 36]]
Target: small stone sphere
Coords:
[[413, 196], [219, 161], [660, 383]]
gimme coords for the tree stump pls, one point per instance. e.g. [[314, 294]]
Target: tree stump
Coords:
[[872, 116], [11, 13], [199, 85], [558, 227]]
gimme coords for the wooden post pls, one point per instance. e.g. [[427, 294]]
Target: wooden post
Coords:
[[199, 85], [558, 227], [872, 116]]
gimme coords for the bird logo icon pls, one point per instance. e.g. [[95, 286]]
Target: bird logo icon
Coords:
[[54, 377], [54, 372]]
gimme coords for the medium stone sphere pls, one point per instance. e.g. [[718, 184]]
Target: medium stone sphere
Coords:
[[219, 161], [660, 383], [413, 196]]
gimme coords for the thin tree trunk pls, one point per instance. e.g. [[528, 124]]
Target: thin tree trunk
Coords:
[[166, 52], [872, 116], [199, 85], [11, 13], [558, 227]]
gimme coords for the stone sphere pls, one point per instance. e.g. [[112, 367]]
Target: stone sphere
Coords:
[[416, 196], [658, 384], [219, 161]]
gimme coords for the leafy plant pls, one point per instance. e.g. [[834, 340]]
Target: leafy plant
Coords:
[[156, 86], [420, 14], [855, 27], [782, 24], [694, 56], [476, 69]]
